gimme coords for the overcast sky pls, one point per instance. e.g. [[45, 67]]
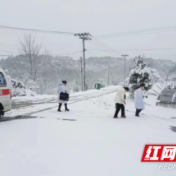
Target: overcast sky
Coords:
[[97, 17]]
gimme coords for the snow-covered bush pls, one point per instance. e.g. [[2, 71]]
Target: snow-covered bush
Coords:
[[18, 88]]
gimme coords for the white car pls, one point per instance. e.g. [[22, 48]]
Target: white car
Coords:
[[5, 94]]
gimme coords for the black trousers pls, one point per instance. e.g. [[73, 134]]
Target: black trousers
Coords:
[[60, 105], [118, 108], [138, 111]]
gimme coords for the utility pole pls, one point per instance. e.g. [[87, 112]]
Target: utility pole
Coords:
[[84, 36], [81, 63], [124, 56], [108, 74]]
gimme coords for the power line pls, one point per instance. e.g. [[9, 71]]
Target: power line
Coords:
[[90, 52], [9, 46], [6, 51], [104, 45], [64, 54], [95, 44], [100, 46], [5, 55], [35, 30], [145, 31], [78, 46], [129, 51], [151, 49], [142, 49], [104, 49], [68, 53], [139, 31]]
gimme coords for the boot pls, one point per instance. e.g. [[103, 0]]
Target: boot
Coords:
[[59, 108], [66, 109], [123, 116]]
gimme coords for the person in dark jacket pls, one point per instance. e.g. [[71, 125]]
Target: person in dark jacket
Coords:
[[62, 89]]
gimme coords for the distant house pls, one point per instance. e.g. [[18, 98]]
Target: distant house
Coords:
[[167, 98]]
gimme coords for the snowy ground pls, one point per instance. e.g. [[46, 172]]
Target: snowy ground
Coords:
[[36, 98], [86, 141], [24, 101]]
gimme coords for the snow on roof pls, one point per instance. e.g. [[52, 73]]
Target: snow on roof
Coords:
[[168, 95], [1, 70]]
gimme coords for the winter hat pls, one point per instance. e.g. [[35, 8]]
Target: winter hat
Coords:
[[64, 82]]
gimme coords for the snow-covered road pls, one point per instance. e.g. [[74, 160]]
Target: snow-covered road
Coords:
[[86, 141], [23, 106]]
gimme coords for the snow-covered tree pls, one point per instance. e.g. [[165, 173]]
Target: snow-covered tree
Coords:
[[141, 74]]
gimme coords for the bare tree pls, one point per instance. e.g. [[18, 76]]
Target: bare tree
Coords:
[[45, 72], [31, 50]]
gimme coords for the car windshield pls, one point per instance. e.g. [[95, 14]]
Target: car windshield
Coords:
[[2, 80]]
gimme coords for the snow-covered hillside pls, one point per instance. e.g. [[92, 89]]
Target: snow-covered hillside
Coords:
[[57, 68]]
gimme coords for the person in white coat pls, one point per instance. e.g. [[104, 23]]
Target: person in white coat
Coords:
[[62, 89], [120, 101], [139, 102]]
